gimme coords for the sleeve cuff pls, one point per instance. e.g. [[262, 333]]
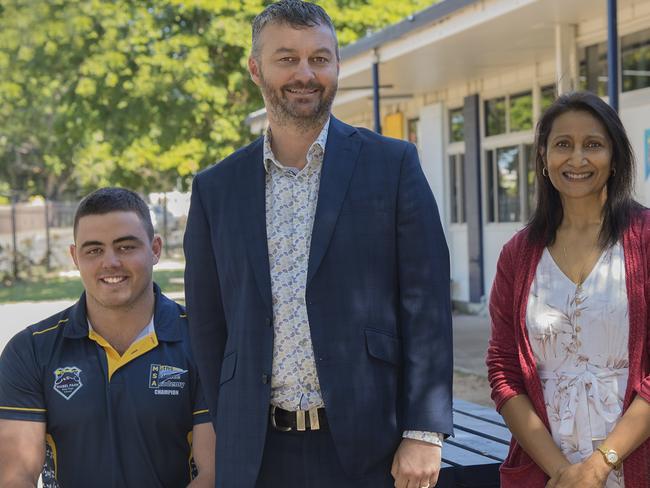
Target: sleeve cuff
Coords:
[[434, 438], [23, 413], [201, 417]]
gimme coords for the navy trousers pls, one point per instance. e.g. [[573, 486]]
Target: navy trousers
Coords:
[[309, 460]]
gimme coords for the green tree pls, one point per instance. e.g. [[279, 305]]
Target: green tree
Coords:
[[141, 94]]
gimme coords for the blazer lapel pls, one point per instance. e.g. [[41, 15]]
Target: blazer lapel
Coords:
[[341, 153], [253, 219]]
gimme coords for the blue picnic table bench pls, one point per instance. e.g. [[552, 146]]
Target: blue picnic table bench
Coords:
[[471, 458]]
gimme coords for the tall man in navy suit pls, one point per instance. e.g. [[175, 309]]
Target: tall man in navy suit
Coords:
[[317, 287]]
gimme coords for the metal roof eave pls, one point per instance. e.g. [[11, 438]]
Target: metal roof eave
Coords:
[[413, 22]]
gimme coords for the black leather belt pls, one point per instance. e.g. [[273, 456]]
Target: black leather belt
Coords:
[[302, 420]]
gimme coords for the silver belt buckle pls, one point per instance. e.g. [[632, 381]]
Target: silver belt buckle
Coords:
[[275, 425]]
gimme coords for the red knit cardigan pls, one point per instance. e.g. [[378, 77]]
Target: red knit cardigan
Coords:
[[510, 361]]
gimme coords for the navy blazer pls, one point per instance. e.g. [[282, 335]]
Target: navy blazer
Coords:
[[378, 301]]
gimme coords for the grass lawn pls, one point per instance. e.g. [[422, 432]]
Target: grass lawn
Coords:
[[58, 288]]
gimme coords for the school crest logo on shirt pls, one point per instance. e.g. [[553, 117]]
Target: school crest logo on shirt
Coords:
[[166, 380], [67, 381]]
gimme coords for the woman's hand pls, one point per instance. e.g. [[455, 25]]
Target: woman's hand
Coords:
[[591, 473]]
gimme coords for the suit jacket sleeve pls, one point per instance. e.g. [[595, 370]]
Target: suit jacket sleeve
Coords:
[[424, 303], [205, 313], [504, 370]]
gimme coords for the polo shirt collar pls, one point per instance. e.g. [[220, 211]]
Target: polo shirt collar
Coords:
[[165, 318]]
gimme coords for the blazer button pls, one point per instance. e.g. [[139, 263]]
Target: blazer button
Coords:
[[268, 321], [265, 378]]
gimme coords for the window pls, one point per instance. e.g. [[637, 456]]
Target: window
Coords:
[[593, 69], [456, 125], [412, 126], [457, 188], [489, 177], [509, 175], [635, 60], [530, 178], [547, 97], [521, 112], [510, 180], [513, 113], [495, 116], [507, 167], [635, 64]]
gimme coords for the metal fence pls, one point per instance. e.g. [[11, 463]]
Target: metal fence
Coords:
[[37, 235], [34, 235]]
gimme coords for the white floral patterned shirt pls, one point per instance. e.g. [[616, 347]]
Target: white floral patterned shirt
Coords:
[[291, 198], [579, 337]]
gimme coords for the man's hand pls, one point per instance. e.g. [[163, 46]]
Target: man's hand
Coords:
[[591, 473], [416, 464]]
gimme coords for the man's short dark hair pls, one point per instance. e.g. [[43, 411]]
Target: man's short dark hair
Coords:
[[295, 13], [110, 199]]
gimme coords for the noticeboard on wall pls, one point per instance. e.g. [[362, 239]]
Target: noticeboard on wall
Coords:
[[394, 125]]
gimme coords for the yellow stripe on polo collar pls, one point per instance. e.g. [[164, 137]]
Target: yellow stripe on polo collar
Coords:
[[135, 350]]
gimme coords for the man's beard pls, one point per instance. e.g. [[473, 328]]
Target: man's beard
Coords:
[[288, 112]]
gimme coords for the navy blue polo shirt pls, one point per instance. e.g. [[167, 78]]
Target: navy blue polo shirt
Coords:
[[112, 421]]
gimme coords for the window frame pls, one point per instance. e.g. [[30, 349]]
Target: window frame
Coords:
[[449, 124], [458, 156], [592, 64], [524, 146]]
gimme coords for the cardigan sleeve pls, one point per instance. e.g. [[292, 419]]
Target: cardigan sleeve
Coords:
[[504, 369], [644, 387]]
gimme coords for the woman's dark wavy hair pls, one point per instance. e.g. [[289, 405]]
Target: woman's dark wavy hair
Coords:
[[619, 206]]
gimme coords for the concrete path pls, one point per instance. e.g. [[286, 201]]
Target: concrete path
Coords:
[[471, 335], [17, 316]]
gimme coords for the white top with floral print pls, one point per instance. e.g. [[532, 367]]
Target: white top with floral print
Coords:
[[579, 337]]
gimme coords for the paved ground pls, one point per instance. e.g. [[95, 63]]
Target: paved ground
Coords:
[[471, 334], [17, 316]]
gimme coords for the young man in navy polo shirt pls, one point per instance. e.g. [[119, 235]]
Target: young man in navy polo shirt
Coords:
[[106, 393]]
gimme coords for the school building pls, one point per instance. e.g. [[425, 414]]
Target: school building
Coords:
[[466, 81]]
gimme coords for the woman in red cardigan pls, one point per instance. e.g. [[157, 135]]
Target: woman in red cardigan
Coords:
[[568, 359]]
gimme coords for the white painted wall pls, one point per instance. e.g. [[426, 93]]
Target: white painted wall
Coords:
[[457, 241], [432, 147], [431, 144], [494, 237], [635, 114]]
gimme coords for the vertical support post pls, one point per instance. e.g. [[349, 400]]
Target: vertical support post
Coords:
[[473, 198], [591, 54], [566, 64], [375, 93], [48, 245], [612, 54], [165, 225], [14, 230]]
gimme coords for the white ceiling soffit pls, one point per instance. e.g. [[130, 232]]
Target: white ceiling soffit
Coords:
[[482, 39]]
